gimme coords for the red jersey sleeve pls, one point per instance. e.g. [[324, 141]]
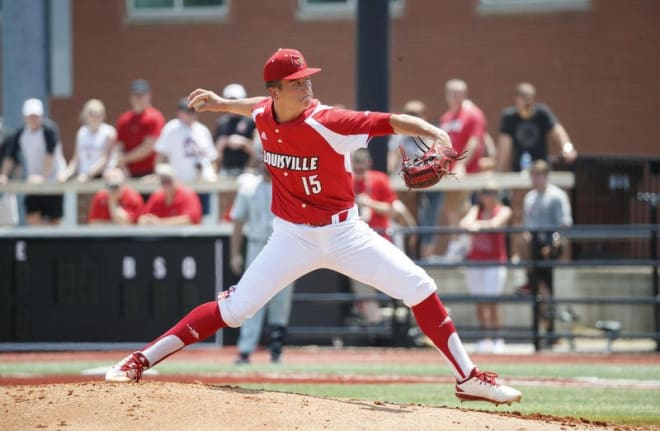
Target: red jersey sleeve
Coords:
[[132, 203], [154, 123], [152, 202], [190, 205], [98, 209], [121, 127], [384, 189]]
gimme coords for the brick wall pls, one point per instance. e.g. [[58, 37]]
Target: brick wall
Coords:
[[596, 69]]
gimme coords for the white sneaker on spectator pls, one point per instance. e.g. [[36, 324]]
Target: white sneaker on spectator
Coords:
[[484, 346], [498, 346]]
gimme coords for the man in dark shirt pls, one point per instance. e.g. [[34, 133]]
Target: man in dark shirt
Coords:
[[234, 137], [526, 131]]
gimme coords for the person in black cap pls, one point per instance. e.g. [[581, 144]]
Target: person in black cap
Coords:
[[187, 145], [137, 131]]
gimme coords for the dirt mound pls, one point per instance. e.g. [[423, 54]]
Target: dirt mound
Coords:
[[178, 406]]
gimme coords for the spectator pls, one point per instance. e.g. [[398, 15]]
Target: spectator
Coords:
[[187, 145], [8, 202], [526, 130], [375, 198], [489, 213], [546, 205], [251, 209], [466, 126], [94, 144], [234, 137], [429, 202], [138, 130], [403, 218], [117, 203], [37, 148], [172, 204]]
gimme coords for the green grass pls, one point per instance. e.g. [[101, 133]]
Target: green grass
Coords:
[[616, 405], [174, 366], [628, 406]]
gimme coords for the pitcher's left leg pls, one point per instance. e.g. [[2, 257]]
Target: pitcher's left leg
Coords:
[[371, 259]]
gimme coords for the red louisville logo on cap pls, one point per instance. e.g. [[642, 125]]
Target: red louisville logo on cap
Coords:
[[297, 61]]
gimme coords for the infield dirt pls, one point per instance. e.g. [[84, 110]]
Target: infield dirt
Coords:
[[197, 406]]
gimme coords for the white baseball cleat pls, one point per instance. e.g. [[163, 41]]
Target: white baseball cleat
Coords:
[[128, 370], [482, 386]]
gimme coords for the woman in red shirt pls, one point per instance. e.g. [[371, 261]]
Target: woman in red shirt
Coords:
[[489, 213]]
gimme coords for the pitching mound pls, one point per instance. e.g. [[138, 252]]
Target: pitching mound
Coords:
[[178, 406]]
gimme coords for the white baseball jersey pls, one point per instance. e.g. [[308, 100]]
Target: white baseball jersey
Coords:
[[91, 146], [187, 149]]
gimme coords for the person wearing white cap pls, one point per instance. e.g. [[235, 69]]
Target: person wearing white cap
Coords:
[[234, 137], [37, 148], [172, 204]]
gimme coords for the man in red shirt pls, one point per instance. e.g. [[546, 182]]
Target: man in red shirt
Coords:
[[373, 193], [466, 126], [117, 203], [374, 197], [172, 204], [138, 130], [307, 148]]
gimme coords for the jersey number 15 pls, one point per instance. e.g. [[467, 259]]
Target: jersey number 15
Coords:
[[311, 184]]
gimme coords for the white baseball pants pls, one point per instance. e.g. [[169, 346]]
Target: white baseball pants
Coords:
[[350, 247]]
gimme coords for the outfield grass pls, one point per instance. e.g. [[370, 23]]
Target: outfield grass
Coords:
[[623, 404]]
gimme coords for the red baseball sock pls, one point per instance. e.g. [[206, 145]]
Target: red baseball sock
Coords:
[[202, 322], [436, 324]]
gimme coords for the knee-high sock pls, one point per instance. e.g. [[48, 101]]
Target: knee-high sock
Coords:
[[202, 322], [436, 324]]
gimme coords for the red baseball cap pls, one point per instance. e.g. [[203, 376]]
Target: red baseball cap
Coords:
[[287, 64]]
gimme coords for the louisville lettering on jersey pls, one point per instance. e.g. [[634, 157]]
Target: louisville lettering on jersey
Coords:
[[293, 163]]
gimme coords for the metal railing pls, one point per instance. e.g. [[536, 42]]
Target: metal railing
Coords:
[[71, 190], [398, 330]]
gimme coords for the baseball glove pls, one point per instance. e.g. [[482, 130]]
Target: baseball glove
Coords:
[[424, 171]]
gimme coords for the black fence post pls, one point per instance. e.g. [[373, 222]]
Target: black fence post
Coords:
[[534, 285], [654, 256], [652, 199]]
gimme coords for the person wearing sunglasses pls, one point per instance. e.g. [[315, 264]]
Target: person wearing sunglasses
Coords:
[[116, 203], [172, 204]]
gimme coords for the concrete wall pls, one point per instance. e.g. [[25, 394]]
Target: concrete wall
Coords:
[[569, 283]]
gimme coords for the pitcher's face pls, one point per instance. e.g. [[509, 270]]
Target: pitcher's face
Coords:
[[296, 93]]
